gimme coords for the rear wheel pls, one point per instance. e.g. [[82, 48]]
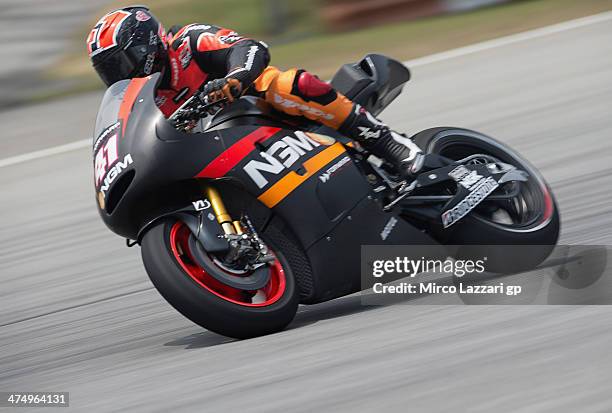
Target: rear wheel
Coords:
[[529, 219], [169, 260]]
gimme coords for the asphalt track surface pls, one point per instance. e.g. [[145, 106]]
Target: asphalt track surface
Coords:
[[78, 313]]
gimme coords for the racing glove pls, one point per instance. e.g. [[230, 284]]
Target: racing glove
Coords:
[[224, 88]]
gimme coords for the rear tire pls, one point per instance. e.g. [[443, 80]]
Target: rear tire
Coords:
[[536, 238], [207, 309]]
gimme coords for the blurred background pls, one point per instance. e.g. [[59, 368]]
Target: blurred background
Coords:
[[79, 314], [43, 53]]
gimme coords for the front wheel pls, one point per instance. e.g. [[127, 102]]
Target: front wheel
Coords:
[[530, 220], [170, 263]]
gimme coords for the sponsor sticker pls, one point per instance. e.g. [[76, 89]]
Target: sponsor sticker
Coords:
[[153, 38], [107, 165], [480, 191], [185, 54], [105, 134], [388, 228], [148, 67], [279, 156], [160, 100], [195, 27], [175, 72], [230, 38], [114, 172], [366, 133], [142, 16], [201, 204], [326, 176], [289, 104], [465, 177]]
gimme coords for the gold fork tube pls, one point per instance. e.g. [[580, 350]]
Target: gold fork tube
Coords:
[[223, 217], [238, 227]]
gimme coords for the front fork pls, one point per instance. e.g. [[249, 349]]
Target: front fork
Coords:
[[230, 226], [246, 248]]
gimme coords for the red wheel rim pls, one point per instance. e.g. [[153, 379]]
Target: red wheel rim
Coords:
[[273, 291]]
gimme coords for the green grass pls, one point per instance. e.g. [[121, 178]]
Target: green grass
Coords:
[[246, 16], [409, 40], [323, 53]]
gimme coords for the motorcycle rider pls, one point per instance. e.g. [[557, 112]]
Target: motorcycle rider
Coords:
[[130, 42]]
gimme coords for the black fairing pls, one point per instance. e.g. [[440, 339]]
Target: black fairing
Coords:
[[248, 110], [165, 162], [330, 217], [374, 82]]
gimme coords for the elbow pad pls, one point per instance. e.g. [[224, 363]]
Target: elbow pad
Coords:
[[247, 61]]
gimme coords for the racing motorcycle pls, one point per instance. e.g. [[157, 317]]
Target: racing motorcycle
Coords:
[[243, 212]]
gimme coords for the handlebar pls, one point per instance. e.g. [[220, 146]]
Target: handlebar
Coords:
[[195, 108]]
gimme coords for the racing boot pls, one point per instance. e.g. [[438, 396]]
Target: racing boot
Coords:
[[399, 152]]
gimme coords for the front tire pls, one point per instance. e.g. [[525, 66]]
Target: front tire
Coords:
[[203, 300]]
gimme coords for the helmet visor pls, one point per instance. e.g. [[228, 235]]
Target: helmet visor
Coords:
[[134, 61], [116, 67]]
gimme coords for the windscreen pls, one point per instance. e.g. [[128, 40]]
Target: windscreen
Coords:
[[109, 108]]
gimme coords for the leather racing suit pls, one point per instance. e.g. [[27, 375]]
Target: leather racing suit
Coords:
[[199, 53]]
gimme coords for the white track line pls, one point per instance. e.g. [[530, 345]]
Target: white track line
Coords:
[[511, 39], [421, 61], [43, 153]]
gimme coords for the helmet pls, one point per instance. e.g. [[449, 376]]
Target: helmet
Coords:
[[127, 43]]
